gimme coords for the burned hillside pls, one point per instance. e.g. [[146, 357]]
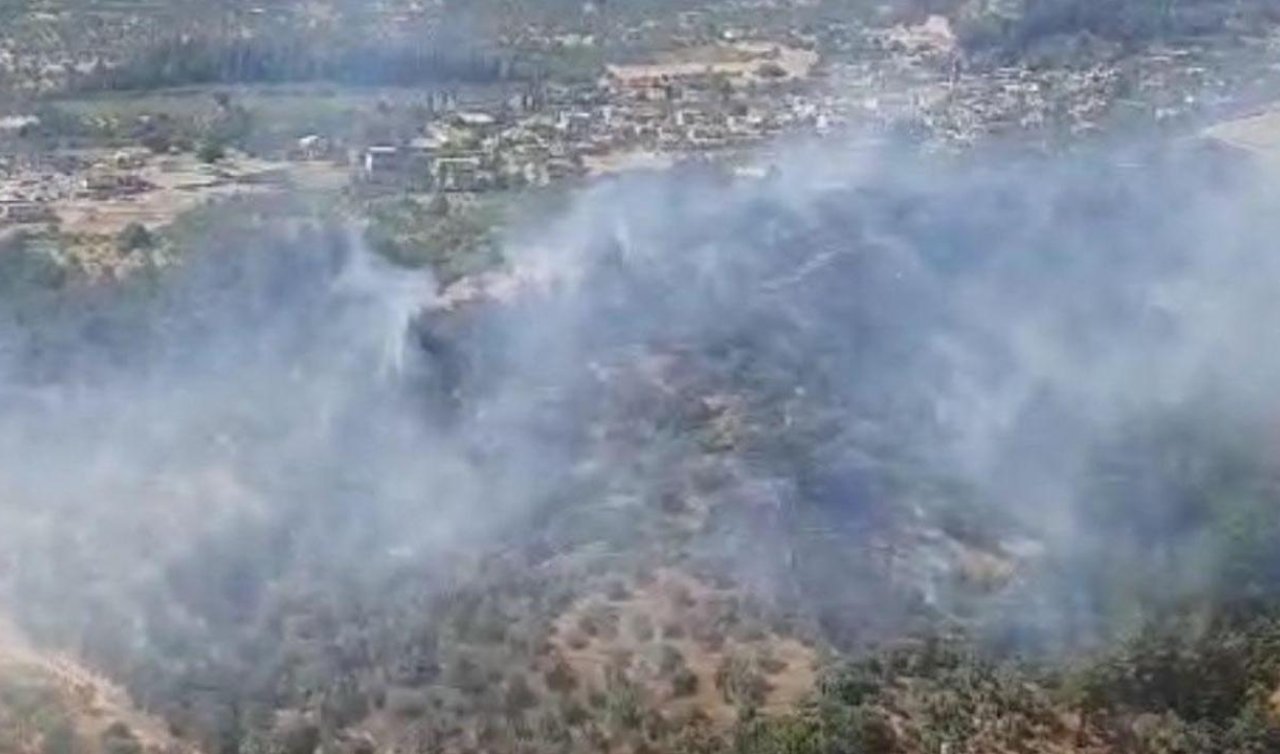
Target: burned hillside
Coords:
[[294, 497]]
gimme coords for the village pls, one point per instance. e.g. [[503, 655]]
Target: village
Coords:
[[715, 100], [733, 98]]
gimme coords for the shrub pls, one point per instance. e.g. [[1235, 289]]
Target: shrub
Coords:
[[407, 703], [770, 664], [518, 696], [599, 620], [465, 675], [118, 738], [210, 151], [438, 206], [684, 683], [740, 683], [573, 713], [669, 659], [642, 627], [135, 237], [60, 739], [624, 707], [789, 735], [561, 678], [297, 736], [618, 591]]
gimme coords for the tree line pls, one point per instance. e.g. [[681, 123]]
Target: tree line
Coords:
[[182, 60]]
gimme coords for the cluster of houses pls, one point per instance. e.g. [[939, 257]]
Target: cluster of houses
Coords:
[[562, 130], [30, 186], [472, 151]]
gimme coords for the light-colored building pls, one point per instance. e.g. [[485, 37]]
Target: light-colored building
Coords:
[[381, 162], [460, 173], [20, 212]]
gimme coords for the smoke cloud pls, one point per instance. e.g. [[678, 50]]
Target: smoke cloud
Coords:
[[822, 362]]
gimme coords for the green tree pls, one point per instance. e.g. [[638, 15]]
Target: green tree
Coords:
[[211, 151], [135, 237]]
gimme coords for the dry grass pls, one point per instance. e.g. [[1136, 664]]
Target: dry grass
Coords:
[[91, 702]]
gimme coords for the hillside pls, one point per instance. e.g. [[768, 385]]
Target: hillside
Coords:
[[712, 521], [55, 45], [937, 420], [51, 704]]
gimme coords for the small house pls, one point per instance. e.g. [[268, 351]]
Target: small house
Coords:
[[381, 162]]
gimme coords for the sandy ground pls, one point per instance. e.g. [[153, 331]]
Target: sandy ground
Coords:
[[623, 162], [182, 184], [740, 61]]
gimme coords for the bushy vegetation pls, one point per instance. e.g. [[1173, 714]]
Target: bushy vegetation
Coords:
[[1172, 689], [189, 59], [28, 265], [450, 237], [769, 432], [33, 715], [1025, 23]]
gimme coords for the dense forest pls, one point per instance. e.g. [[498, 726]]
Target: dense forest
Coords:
[[200, 59], [166, 43], [1021, 24]]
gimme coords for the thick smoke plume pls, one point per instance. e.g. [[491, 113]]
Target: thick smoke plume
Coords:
[[879, 337]]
